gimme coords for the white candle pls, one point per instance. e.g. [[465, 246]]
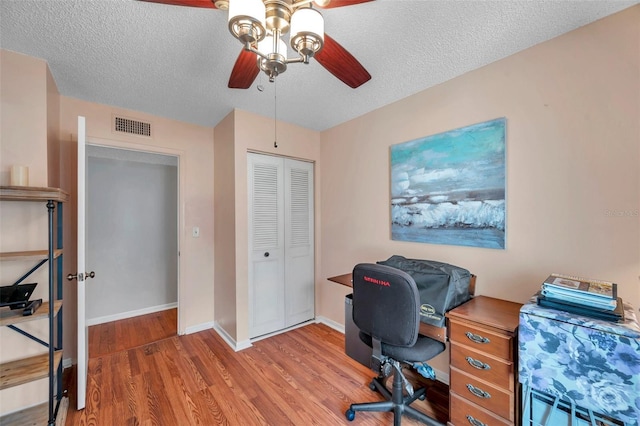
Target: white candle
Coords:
[[19, 176]]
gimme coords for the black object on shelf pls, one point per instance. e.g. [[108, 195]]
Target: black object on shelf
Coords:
[[16, 296], [32, 307]]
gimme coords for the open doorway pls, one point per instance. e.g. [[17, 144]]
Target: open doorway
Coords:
[[132, 244]]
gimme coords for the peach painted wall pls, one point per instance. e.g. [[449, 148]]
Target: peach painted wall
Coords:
[[24, 116], [194, 147], [225, 226], [255, 133], [573, 167], [53, 131]]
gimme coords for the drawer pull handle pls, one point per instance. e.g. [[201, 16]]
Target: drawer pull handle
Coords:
[[476, 337], [475, 422], [478, 392], [478, 364]]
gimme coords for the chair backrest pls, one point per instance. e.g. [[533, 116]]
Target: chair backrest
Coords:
[[386, 304]]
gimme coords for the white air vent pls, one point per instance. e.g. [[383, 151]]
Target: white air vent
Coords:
[[132, 127]]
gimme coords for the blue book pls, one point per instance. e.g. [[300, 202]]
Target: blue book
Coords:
[[592, 289], [569, 296], [616, 315]]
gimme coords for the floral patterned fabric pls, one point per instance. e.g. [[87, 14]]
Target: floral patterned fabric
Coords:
[[591, 363]]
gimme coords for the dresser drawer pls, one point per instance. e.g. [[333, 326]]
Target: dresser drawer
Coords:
[[483, 394], [482, 339], [465, 413], [477, 364]]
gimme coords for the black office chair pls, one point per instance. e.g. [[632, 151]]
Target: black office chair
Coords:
[[386, 309]]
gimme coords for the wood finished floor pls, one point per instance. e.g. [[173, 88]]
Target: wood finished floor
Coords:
[[126, 334], [301, 377]]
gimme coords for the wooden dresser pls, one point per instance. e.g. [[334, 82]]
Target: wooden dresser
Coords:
[[484, 388]]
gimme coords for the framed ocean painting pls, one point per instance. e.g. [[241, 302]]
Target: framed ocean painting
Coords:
[[449, 188]]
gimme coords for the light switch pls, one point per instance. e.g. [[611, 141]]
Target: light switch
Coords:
[[196, 232]]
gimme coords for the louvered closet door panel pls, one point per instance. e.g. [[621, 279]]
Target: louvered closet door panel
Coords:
[[299, 243], [266, 245]]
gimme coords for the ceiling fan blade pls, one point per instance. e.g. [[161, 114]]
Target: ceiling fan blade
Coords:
[[340, 3], [193, 3], [342, 64], [244, 71]]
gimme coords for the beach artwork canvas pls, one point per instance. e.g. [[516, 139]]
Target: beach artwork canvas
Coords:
[[449, 188]]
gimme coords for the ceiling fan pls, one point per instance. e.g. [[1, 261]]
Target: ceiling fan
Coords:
[[278, 17]]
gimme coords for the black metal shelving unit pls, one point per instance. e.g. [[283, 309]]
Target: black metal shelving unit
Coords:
[[49, 364]]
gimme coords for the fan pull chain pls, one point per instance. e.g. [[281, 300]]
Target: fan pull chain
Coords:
[[275, 114]]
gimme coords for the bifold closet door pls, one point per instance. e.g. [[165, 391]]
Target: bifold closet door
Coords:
[[281, 283], [266, 244], [299, 244]]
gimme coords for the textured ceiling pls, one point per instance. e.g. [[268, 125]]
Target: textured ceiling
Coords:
[[175, 62]]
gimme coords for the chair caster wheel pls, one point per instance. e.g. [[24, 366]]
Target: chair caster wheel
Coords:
[[422, 397], [350, 414], [372, 386]]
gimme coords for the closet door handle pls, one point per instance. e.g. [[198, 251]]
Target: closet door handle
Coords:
[[266, 254]]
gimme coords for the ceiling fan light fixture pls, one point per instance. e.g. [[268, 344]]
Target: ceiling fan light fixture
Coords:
[[303, 25], [247, 20], [294, 24], [307, 32]]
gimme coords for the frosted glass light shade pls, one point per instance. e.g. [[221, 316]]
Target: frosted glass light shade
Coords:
[[307, 32], [266, 46], [307, 22]]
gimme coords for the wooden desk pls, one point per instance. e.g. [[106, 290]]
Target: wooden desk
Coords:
[[344, 279], [437, 333]]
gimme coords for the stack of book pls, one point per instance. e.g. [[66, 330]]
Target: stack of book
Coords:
[[582, 296]]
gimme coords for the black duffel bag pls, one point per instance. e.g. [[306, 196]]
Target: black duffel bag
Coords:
[[442, 287]]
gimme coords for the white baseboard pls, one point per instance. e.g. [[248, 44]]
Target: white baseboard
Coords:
[[330, 323], [130, 314], [245, 344], [230, 340], [284, 330], [238, 346], [199, 327]]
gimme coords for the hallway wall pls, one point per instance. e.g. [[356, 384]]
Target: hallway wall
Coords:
[[132, 220]]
